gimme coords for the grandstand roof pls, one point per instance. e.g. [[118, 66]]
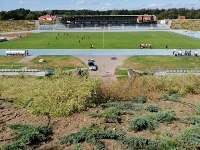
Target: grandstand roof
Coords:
[[105, 15]]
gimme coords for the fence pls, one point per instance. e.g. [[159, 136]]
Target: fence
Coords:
[[31, 72], [175, 71]]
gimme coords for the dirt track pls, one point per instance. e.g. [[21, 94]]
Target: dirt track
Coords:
[[14, 34]]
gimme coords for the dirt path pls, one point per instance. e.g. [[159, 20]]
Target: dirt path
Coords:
[[26, 59], [106, 65]]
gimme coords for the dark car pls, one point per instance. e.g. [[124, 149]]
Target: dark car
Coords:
[[91, 65]]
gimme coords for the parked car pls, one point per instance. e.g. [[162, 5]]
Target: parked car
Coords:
[[91, 65]]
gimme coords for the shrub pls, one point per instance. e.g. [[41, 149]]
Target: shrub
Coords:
[[150, 122], [165, 116], [91, 134], [198, 108], [139, 143], [27, 135], [76, 147], [192, 119], [140, 99], [190, 136], [142, 123], [165, 133], [130, 106], [173, 97], [152, 108], [112, 115], [56, 96], [122, 106], [9, 100]]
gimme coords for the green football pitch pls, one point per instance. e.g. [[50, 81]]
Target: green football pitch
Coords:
[[102, 40]]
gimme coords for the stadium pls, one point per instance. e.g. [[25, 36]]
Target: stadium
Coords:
[[104, 21], [104, 32], [85, 80]]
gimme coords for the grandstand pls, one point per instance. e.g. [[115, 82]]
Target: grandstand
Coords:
[[107, 21]]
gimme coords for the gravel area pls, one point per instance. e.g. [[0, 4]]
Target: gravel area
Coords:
[[106, 65]]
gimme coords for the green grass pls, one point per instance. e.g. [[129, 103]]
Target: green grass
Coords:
[[112, 40], [53, 62], [8, 62], [121, 72], [122, 77], [162, 62]]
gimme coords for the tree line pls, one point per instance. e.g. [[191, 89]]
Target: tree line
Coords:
[[26, 14]]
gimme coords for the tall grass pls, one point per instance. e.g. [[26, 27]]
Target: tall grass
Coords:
[[60, 95], [56, 96], [148, 85]]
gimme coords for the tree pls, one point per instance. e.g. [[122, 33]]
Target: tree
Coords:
[[197, 15], [115, 12], [31, 16]]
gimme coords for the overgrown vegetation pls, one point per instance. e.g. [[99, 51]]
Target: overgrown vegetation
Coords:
[[27, 136], [57, 95], [149, 86], [186, 24], [173, 97], [17, 25], [60, 95]]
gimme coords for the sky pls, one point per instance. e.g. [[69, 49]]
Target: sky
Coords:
[[96, 4]]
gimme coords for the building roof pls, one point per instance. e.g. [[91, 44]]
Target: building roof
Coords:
[[47, 16]]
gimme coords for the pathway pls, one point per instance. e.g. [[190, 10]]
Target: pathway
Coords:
[[106, 65], [26, 59]]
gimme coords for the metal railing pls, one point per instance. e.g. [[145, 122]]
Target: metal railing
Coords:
[[175, 71], [34, 72]]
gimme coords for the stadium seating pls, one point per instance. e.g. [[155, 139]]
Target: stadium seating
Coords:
[[137, 26]]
